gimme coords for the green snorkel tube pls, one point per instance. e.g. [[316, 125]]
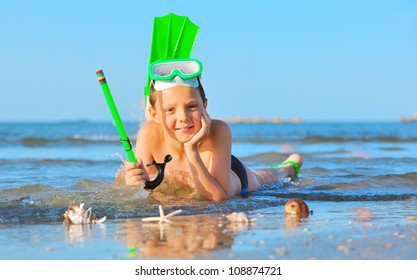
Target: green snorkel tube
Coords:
[[116, 117], [125, 139]]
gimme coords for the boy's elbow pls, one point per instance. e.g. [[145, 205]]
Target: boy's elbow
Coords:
[[219, 197]]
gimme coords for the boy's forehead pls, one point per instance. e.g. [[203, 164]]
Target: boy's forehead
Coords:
[[179, 92]]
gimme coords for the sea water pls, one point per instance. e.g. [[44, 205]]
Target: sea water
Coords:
[[44, 166], [358, 178]]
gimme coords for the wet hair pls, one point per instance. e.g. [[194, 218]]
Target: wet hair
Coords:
[[153, 93]]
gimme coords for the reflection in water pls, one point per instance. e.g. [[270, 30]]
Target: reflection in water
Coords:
[[293, 221], [363, 216], [201, 236], [77, 234], [187, 237]]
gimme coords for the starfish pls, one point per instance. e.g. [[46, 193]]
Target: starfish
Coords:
[[162, 218]]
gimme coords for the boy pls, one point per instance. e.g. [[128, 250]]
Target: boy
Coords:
[[179, 125]]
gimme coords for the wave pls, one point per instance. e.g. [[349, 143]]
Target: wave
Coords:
[[271, 138], [94, 139], [382, 183], [390, 187], [43, 204], [76, 133], [315, 139], [73, 140], [38, 162], [39, 203], [380, 139]]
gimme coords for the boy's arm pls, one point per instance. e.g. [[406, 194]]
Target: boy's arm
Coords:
[[212, 182]]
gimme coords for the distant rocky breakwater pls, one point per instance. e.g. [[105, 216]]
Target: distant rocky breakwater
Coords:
[[277, 120], [413, 119]]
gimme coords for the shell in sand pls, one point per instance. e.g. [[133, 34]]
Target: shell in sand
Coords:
[[296, 207], [76, 214], [239, 218]]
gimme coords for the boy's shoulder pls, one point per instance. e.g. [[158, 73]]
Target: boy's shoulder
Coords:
[[149, 129], [220, 127], [219, 124]]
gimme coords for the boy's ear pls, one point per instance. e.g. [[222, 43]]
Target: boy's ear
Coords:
[[152, 114], [205, 103]]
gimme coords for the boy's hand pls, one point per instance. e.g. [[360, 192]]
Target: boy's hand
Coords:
[[203, 132], [135, 173]]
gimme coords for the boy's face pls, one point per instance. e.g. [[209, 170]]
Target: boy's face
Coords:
[[179, 109]]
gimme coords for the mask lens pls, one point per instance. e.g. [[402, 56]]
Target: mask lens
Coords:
[[168, 70]]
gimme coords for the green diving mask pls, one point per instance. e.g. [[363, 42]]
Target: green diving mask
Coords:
[[175, 72], [165, 70]]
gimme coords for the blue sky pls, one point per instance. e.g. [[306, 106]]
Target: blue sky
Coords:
[[319, 60]]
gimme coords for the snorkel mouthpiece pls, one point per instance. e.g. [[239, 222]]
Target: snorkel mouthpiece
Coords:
[[161, 169]]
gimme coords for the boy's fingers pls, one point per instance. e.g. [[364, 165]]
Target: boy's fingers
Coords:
[[136, 171], [128, 163], [140, 162], [206, 115], [207, 121], [131, 165]]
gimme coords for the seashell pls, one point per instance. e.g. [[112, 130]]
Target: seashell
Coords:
[[239, 218], [296, 207], [76, 215]]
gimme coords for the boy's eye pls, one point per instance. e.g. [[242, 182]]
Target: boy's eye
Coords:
[[193, 106], [169, 110]]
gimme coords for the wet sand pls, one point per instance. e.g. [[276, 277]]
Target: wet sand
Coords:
[[335, 231]]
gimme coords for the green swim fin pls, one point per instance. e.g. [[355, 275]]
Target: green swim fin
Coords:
[[173, 36]]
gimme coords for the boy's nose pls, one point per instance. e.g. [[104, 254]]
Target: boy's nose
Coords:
[[182, 115]]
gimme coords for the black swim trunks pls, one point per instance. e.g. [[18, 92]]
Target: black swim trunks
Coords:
[[240, 171]]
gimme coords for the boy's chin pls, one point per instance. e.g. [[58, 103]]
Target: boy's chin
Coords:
[[184, 138]]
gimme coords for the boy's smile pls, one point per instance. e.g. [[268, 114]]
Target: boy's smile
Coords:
[[185, 128]]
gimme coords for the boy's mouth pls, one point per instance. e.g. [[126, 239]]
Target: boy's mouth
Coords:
[[185, 128]]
